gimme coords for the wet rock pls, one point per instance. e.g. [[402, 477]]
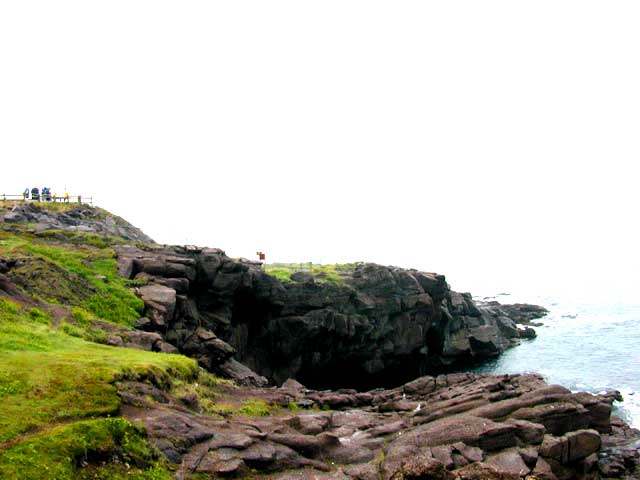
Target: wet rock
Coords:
[[599, 410], [527, 332]]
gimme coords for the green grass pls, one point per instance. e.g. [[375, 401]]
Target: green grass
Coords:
[[58, 397], [52, 388], [58, 453], [332, 273], [80, 238], [78, 275], [256, 408], [51, 206], [47, 376]]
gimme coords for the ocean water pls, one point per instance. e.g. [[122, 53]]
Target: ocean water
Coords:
[[582, 345]]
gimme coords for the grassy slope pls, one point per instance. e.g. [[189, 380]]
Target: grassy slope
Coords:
[[50, 379], [56, 271], [59, 402], [59, 406]]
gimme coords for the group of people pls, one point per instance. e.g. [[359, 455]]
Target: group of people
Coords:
[[44, 196]]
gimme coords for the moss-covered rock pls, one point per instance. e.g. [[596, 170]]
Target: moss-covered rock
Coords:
[[47, 280]]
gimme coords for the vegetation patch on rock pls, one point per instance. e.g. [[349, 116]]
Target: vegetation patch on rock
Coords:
[[333, 273], [78, 275]]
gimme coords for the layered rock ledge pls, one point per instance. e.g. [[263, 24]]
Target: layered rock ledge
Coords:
[[456, 426]]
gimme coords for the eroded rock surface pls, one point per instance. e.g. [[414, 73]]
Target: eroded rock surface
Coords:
[[372, 435]]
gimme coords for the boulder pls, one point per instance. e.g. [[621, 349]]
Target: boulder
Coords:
[[240, 373], [528, 432], [571, 447], [225, 461], [557, 418], [509, 461], [160, 303], [310, 424]]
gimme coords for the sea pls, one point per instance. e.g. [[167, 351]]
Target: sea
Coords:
[[582, 344]]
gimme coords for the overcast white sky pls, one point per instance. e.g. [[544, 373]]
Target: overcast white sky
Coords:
[[496, 142]]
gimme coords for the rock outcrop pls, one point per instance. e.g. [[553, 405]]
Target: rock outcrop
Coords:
[[376, 326], [80, 219], [457, 426]]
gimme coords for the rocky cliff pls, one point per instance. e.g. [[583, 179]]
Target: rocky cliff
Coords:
[[75, 408], [365, 326], [371, 326]]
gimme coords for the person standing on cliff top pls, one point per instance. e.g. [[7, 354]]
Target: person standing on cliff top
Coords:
[[25, 194]]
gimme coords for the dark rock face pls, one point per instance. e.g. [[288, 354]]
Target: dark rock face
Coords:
[[373, 435], [379, 326]]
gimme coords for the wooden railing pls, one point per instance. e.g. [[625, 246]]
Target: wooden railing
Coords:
[[57, 199]]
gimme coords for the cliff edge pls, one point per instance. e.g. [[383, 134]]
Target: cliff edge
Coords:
[[93, 318]]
